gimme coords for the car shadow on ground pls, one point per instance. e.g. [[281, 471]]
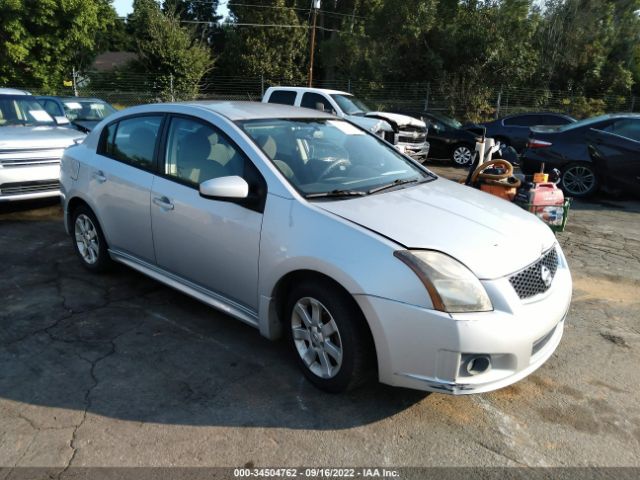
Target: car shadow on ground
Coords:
[[123, 346]]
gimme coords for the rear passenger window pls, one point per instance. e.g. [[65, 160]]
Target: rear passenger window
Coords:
[[284, 97], [133, 140], [625, 128]]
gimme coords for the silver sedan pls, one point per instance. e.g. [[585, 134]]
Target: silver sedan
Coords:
[[304, 225]]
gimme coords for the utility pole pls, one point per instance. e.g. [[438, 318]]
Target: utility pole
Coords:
[[74, 79], [315, 6]]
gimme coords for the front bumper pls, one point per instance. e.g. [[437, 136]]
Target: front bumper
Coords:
[[427, 350], [29, 182], [414, 150]]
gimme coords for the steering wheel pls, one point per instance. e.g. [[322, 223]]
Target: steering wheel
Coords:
[[333, 166]]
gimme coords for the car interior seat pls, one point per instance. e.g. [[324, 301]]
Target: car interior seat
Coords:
[[270, 148], [193, 161]]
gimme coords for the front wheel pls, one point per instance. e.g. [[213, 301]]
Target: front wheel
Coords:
[[579, 180], [462, 155], [328, 336], [88, 240]]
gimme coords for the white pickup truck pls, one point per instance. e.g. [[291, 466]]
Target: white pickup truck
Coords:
[[406, 133]]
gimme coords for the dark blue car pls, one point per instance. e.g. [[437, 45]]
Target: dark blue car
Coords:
[[514, 130]]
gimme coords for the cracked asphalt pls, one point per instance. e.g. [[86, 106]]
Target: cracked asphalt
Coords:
[[118, 370]]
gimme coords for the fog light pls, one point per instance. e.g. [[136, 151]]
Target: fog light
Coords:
[[478, 364]]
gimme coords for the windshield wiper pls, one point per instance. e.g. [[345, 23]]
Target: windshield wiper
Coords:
[[396, 183], [336, 194]]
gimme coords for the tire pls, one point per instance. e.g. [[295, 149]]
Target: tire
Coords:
[[88, 240], [579, 180], [462, 155], [339, 356]]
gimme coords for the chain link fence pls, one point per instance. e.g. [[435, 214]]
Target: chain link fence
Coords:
[[465, 102]]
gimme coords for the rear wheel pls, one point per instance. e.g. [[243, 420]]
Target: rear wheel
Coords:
[[88, 240], [579, 180], [462, 155], [328, 336]]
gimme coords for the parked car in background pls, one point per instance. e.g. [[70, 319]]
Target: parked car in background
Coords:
[[302, 224], [31, 145], [600, 152], [13, 91], [83, 113], [447, 139], [407, 133], [513, 130]]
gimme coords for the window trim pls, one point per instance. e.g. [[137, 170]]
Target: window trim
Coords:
[[153, 166], [256, 204]]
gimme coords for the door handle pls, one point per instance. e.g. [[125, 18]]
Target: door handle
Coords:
[[99, 176], [163, 202]]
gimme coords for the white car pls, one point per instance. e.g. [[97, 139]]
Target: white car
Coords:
[[408, 134], [302, 224], [31, 144]]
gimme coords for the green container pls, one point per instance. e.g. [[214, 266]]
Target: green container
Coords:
[[555, 224]]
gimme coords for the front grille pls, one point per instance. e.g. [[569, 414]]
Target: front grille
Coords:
[[30, 156], [530, 281], [29, 187], [410, 134]]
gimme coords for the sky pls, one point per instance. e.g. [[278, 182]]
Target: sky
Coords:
[[124, 7]]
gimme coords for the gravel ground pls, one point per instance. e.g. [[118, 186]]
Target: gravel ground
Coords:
[[119, 370]]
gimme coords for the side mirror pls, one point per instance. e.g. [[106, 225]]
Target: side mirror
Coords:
[[320, 106], [61, 120], [225, 187]]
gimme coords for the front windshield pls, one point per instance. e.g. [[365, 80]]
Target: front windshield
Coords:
[[320, 156], [84, 110], [22, 110], [350, 104], [449, 122]]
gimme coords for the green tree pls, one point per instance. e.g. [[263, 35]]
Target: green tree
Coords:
[[202, 14], [275, 52], [168, 54], [42, 41]]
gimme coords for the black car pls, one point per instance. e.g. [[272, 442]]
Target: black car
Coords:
[[447, 139], [83, 113], [600, 152], [514, 129]]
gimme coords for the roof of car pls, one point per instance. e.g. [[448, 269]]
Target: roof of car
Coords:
[[256, 110], [72, 99], [522, 114], [13, 91], [310, 89]]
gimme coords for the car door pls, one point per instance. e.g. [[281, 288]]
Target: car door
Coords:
[[120, 183], [211, 243], [615, 149], [439, 139]]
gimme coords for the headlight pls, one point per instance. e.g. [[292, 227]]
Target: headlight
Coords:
[[452, 287]]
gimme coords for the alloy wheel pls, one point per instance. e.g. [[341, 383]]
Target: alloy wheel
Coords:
[[316, 337], [578, 180], [462, 155], [87, 239]]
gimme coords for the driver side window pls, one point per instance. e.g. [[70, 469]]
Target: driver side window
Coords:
[[197, 152]]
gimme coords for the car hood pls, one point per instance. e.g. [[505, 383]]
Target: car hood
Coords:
[[398, 119], [371, 124], [37, 137], [491, 236]]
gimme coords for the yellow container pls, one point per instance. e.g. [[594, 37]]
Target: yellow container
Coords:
[[540, 177]]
